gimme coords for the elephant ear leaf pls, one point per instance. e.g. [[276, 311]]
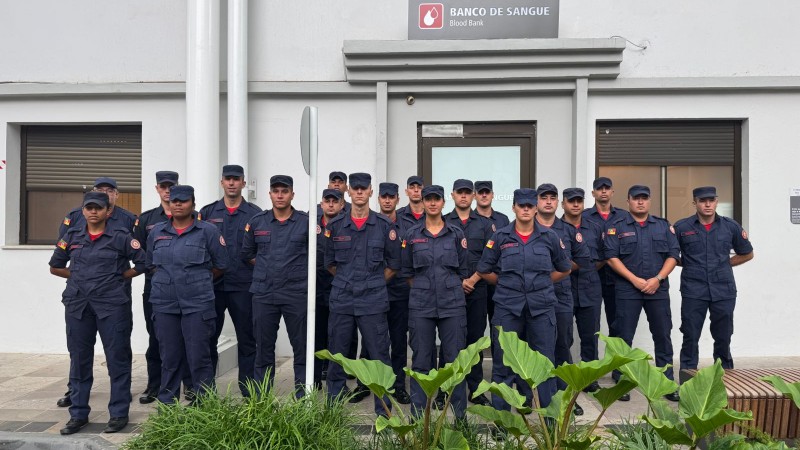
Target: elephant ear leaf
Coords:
[[512, 422], [651, 381], [670, 432], [530, 365], [453, 440], [704, 402], [791, 390], [465, 360], [375, 375]]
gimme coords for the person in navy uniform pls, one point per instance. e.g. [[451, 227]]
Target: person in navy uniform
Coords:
[[338, 180], [524, 259], [330, 207], [118, 218], [483, 199], [276, 243], [478, 230], [578, 253], [604, 213], [399, 291], [232, 290], [95, 302], [185, 255], [707, 284], [642, 250], [413, 212], [362, 252], [435, 263], [147, 220], [587, 293]]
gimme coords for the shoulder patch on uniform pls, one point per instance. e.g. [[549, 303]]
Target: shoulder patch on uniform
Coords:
[[247, 228], [135, 244], [578, 237], [392, 235], [62, 244], [564, 247], [66, 221], [403, 245], [199, 216], [464, 242], [221, 240], [672, 229], [611, 231], [744, 234], [490, 244], [136, 223], [494, 228], [319, 229]]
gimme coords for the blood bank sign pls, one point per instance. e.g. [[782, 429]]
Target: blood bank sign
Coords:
[[479, 19]]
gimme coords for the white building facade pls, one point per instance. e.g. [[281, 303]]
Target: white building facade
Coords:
[[712, 97]]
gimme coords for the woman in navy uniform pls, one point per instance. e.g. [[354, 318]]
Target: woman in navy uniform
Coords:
[[524, 259], [95, 301], [434, 261], [186, 255]]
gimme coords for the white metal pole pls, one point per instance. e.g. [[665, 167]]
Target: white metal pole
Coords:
[[202, 99], [312, 249], [237, 86]]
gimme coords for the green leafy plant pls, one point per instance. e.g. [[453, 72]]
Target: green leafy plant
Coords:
[[379, 378], [262, 421], [790, 390], [702, 410], [554, 422]]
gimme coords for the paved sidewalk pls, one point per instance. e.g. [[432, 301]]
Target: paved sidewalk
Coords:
[[30, 384]]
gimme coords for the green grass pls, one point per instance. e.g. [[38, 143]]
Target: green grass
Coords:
[[264, 421]]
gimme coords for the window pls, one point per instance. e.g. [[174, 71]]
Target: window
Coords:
[[672, 158], [60, 163]]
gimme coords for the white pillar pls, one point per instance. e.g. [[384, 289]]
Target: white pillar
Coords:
[[202, 99], [237, 86], [582, 167]]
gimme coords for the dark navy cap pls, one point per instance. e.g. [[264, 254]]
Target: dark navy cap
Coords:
[[97, 198], [387, 189], [336, 174], [483, 186], [182, 192], [463, 184], [105, 180], [602, 181], [570, 193], [525, 196], [704, 192], [285, 180], [233, 170], [415, 179], [545, 188], [360, 180], [638, 189], [335, 193], [433, 189], [166, 176]]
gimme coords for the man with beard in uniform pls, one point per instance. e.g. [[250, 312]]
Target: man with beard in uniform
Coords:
[[477, 230], [232, 290], [578, 254], [587, 294]]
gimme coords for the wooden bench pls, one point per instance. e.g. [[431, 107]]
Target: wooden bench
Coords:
[[773, 413]]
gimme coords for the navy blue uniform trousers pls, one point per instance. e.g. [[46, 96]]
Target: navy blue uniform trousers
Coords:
[[267, 322], [115, 333], [659, 318], [240, 307], [183, 342], [693, 314]]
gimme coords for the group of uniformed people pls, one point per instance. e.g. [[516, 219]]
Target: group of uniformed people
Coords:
[[396, 277]]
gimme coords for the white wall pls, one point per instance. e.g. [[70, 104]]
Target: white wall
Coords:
[[766, 310]]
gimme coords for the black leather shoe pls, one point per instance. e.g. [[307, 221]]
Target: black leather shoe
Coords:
[[673, 397], [148, 396], [190, 395], [594, 387], [402, 396], [116, 424], [64, 401], [577, 410], [498, 433], [625, 398], [359, 393], [73, 426], [480, 400], [439, 401]]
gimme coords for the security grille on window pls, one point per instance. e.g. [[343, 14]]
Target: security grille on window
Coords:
[[673, 157], [60, 163]]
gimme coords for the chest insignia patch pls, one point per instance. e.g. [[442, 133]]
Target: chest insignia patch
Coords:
[[464, 242], [392, 235], [688, 233], [135, 244], [341, 238], [627, 234], [419, 241], [611, 231], [578, 237], [261, 233], [509, 245]]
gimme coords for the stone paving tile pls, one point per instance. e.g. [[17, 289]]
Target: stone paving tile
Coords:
[[37, 427], [19, 414], [28, 384], [12, 425]]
